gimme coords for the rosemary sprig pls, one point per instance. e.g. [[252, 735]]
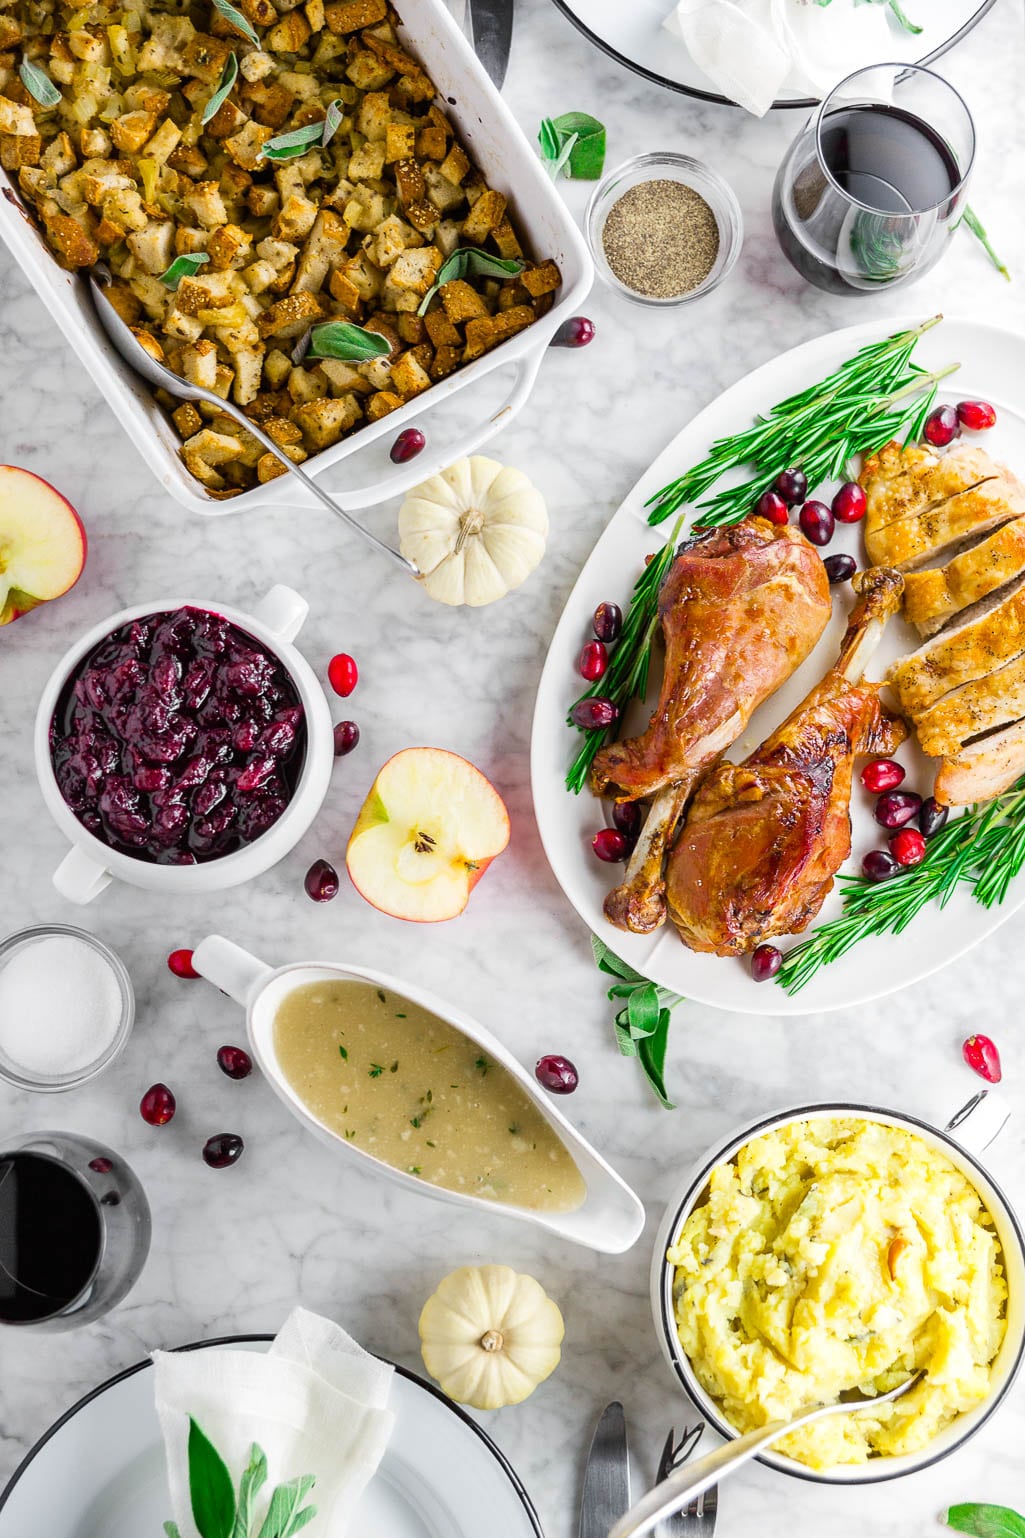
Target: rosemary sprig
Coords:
[[877, 395], [983, 849], [626, 676], [972, 222], [642, 1024]]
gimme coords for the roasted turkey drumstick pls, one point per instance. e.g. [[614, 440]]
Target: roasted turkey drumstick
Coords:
[[740, 609], [764, 839]]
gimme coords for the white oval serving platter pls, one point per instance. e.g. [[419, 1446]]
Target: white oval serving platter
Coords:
[[99, 1472], [992, 367]]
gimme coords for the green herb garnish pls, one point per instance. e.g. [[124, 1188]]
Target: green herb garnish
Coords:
[[894, 6], [482, 1065], [983, 849], [289, 146], [642, 1023], [877, 395], [626, 676], [471, 262], [376, 1070], [986, 1521], [238, 21], [574, 143], [414, 1169], [229, 74], [380, 992], [973, 223], [353, 344], [216, 1511], [184, 266], [343, 1053], [38, 84]]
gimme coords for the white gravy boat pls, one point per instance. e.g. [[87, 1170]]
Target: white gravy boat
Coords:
[[611, 1217]]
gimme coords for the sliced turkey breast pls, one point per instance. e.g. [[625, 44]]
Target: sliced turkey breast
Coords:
[[983, 769], [933, 597], [986, 636], [904, 482], [977, 707]]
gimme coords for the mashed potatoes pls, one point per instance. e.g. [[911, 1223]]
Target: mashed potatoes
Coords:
[[837, 1255]]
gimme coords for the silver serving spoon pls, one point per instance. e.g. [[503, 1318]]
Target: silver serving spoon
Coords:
[[692, 1478], [137, 358]]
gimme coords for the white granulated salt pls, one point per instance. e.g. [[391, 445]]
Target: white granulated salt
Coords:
[[60, 1006]]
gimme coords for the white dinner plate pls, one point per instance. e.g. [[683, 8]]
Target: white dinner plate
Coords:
[[993, 368], [633, 34], [99, 1472]]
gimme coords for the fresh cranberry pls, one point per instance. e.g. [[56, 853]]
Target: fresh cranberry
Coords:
[[101, 1166], [817, 523], [157, 1105], [980, 1053], [849, 503], [346, 738], [235, 1062], [627, 817], [932, 816], [840, 568], [976, 415], [343, 674], [608, 621], [222, 1150], [180, 963], [556, 1074], [407, 446], [321, 882], [575, 332], [896, 808], [941, 427], [908, 847], [593, 713], [610, 845], [792, 486], [882, 774], [593, 661], [772, 506], [879, 865], [766, 961]]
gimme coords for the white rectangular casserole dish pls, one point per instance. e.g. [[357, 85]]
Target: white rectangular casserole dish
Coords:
[[496, 143]]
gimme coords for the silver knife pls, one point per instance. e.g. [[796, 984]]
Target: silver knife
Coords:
[[607, 1476], [490, 24]]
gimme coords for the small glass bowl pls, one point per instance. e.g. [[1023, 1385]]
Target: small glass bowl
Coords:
[[15, 1073], [667, 166]]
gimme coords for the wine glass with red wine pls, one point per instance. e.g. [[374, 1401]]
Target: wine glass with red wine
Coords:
[[74, 1231], [872, 189]]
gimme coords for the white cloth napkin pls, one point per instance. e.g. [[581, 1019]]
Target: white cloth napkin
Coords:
[[316, 1403], [753, 49]]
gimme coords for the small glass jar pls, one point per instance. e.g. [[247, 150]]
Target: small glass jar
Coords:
[[16, 1073], [667, 166]]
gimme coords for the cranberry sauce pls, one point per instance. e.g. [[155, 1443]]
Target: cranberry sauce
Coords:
[[178, 739]]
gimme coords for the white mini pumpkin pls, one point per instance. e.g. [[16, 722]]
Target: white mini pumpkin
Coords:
[[490, 1336], [475, 531]]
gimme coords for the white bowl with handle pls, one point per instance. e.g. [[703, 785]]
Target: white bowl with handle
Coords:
[[610, 1218], [91, 865], [968, 1133]]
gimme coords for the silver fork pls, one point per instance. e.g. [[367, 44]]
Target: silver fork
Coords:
[[697, 1518]]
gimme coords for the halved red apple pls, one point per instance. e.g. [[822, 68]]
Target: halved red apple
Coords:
[[427, 832], [42, 543]]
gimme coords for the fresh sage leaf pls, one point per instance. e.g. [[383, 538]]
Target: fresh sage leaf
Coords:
[[229, 74], [986, 1521], [171, 1530], [332, 121], [289, 146], [471, 262], [642, 1010], [184, 266], [609, 962], [626, 1042], [562, 159], [254, 1477], [38, 84], [342, 339], [574, 143], [284, 1516], [548, 138], [651, 1053], [238, 21], [210, 1486]]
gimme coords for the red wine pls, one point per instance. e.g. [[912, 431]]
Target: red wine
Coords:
[[890, 164], [50, 1237]]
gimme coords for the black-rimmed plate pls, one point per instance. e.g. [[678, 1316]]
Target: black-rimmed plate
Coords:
[[99, 1471]]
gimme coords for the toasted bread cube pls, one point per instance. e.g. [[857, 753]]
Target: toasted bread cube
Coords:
[[153, 247], [345, 291], [411, 329], [485, 215], [269, 102], [163, 142], [248, 363], [322, 251], [277, 366], [409, 376], [189, 160], [390, 239], [440, 329], [446, 236], [366, 71], [461, 301], [198, 363], [316, 15], [361, 271], [206, 203], [204, 291], [482, 335], [367, 163], [324, 421], [227, 120], [431, 143], [392, 54], [307, 384], [416, 269], [399, 300], [121, 298], [245, 147], [377, 372], [541, 280], [17, 150], [344, 377], [374, 115], [148, 342], [445, 195], [72, 242], [294, 219], [291, 32], [123, 206], [382, 403], [15, 118], [184, 328], [205, 473], [409, 179], [413, 90], [282, 431], [141, 97], [59, 155], [505, 239], [187, 419], [290, 316], [365, 210], [258, 65], [423, 216], [446, 361], [455, 165], [205, 57], [268, 468], [229, 247], [351, 15], [399, 142], [215, 448], [131, 130]]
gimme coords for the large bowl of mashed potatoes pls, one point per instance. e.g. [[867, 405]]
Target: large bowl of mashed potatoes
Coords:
[[836, 1250]]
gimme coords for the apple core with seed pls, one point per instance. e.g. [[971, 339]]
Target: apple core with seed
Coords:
[[427, 832]]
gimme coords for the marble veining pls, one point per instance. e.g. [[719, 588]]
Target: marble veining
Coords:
[[234, 1250]]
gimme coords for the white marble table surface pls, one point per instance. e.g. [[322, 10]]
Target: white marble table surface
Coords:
[[233, 1251]]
